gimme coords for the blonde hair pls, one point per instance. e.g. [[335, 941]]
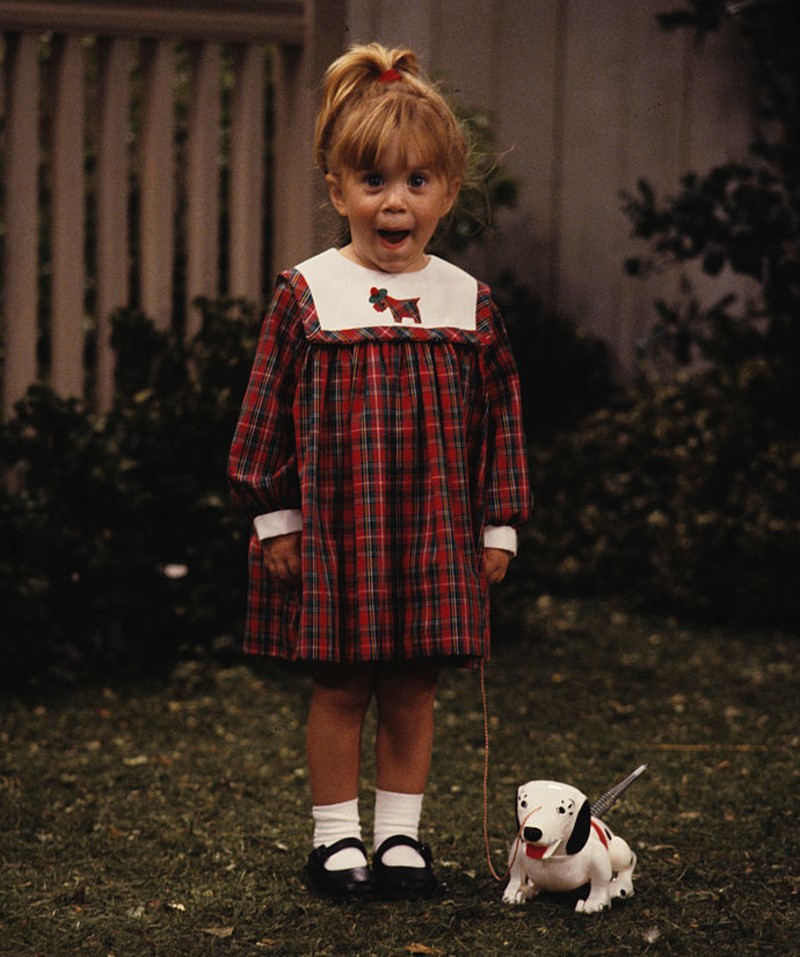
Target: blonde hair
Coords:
[[374, 98]]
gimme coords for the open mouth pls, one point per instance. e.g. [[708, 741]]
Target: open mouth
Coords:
[[394, 237], [539, 851]]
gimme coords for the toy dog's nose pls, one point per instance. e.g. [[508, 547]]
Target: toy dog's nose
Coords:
[[532, 834]]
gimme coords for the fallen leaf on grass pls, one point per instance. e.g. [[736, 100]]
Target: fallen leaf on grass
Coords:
[[218, 931], [422, 949]]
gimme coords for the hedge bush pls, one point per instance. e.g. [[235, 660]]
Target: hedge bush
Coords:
[[566, 371], [118, 544], [682, 494]]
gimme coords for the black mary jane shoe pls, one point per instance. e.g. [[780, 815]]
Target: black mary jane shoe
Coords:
[[352, 883], [404, 883]]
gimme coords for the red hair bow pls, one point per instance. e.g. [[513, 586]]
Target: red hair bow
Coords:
[[389, 76]]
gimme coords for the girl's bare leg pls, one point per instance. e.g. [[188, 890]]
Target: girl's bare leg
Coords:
[[405, 692], [404, 745], [339, 703]]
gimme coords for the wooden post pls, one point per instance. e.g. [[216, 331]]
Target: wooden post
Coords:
[[21, 264], [66, 333], [247, 174], [303, 220], [112, 205], [157, 181], [203, 204]]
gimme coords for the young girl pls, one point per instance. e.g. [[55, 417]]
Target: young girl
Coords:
[[381, 455]]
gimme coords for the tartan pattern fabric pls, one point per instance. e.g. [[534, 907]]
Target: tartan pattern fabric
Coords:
[[399, 444]]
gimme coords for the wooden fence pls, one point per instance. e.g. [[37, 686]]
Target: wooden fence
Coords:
[[153, 151], [147, 149]]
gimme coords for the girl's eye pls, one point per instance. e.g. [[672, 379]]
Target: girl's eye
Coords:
[[373, 180], [416, 181]]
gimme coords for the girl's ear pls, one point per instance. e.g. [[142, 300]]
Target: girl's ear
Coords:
[[335, 193], [453, 189]]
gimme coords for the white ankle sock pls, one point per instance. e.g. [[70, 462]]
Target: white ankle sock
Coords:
[[397, 813], [332, 822]]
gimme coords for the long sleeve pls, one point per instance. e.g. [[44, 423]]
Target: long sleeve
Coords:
[[262, 467], [508, 492]]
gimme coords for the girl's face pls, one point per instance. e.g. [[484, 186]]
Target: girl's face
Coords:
[[392, 210]]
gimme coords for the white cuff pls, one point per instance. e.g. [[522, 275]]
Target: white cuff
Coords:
[[283, 522], [500, 536]]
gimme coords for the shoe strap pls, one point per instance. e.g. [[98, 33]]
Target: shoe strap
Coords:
[[403, 840], [327, 851]]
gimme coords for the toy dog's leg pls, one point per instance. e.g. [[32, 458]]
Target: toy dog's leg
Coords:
[[520, 888], [600, 880], [623, 861]]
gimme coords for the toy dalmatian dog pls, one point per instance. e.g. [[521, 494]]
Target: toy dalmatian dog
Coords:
[[563, 845]]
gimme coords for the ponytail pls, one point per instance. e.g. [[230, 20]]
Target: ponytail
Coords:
[[372, 94]]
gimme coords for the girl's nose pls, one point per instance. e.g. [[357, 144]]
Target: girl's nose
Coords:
[[394, 198]]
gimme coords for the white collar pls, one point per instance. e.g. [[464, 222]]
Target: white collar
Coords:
[[349, 296]]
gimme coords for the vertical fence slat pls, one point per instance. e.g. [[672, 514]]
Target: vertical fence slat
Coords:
[[302, 227], [112, 204], [68, 219], [21, 258], [202, 218], [157, 180], [293, 164], [247, 174]]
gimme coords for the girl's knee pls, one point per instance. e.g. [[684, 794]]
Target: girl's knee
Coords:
[[408, 690], [342, 688]]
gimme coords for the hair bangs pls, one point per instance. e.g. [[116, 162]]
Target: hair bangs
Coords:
[[404, 122]]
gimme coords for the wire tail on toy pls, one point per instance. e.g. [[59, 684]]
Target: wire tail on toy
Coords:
[[610, 797]]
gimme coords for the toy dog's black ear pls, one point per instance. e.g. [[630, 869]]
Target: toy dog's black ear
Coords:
[[581, 831]]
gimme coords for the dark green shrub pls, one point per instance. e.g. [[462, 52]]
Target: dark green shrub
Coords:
[[118, 544], [683, 495], [565, 371]]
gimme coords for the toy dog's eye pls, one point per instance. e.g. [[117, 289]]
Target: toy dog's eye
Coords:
[[523, 803]]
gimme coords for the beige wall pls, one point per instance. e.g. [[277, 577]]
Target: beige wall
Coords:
[[588, 96]]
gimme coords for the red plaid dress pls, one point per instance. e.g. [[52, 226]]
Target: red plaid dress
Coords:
[[399, 438]]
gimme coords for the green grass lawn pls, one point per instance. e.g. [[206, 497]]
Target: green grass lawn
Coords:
[[173, 819]]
